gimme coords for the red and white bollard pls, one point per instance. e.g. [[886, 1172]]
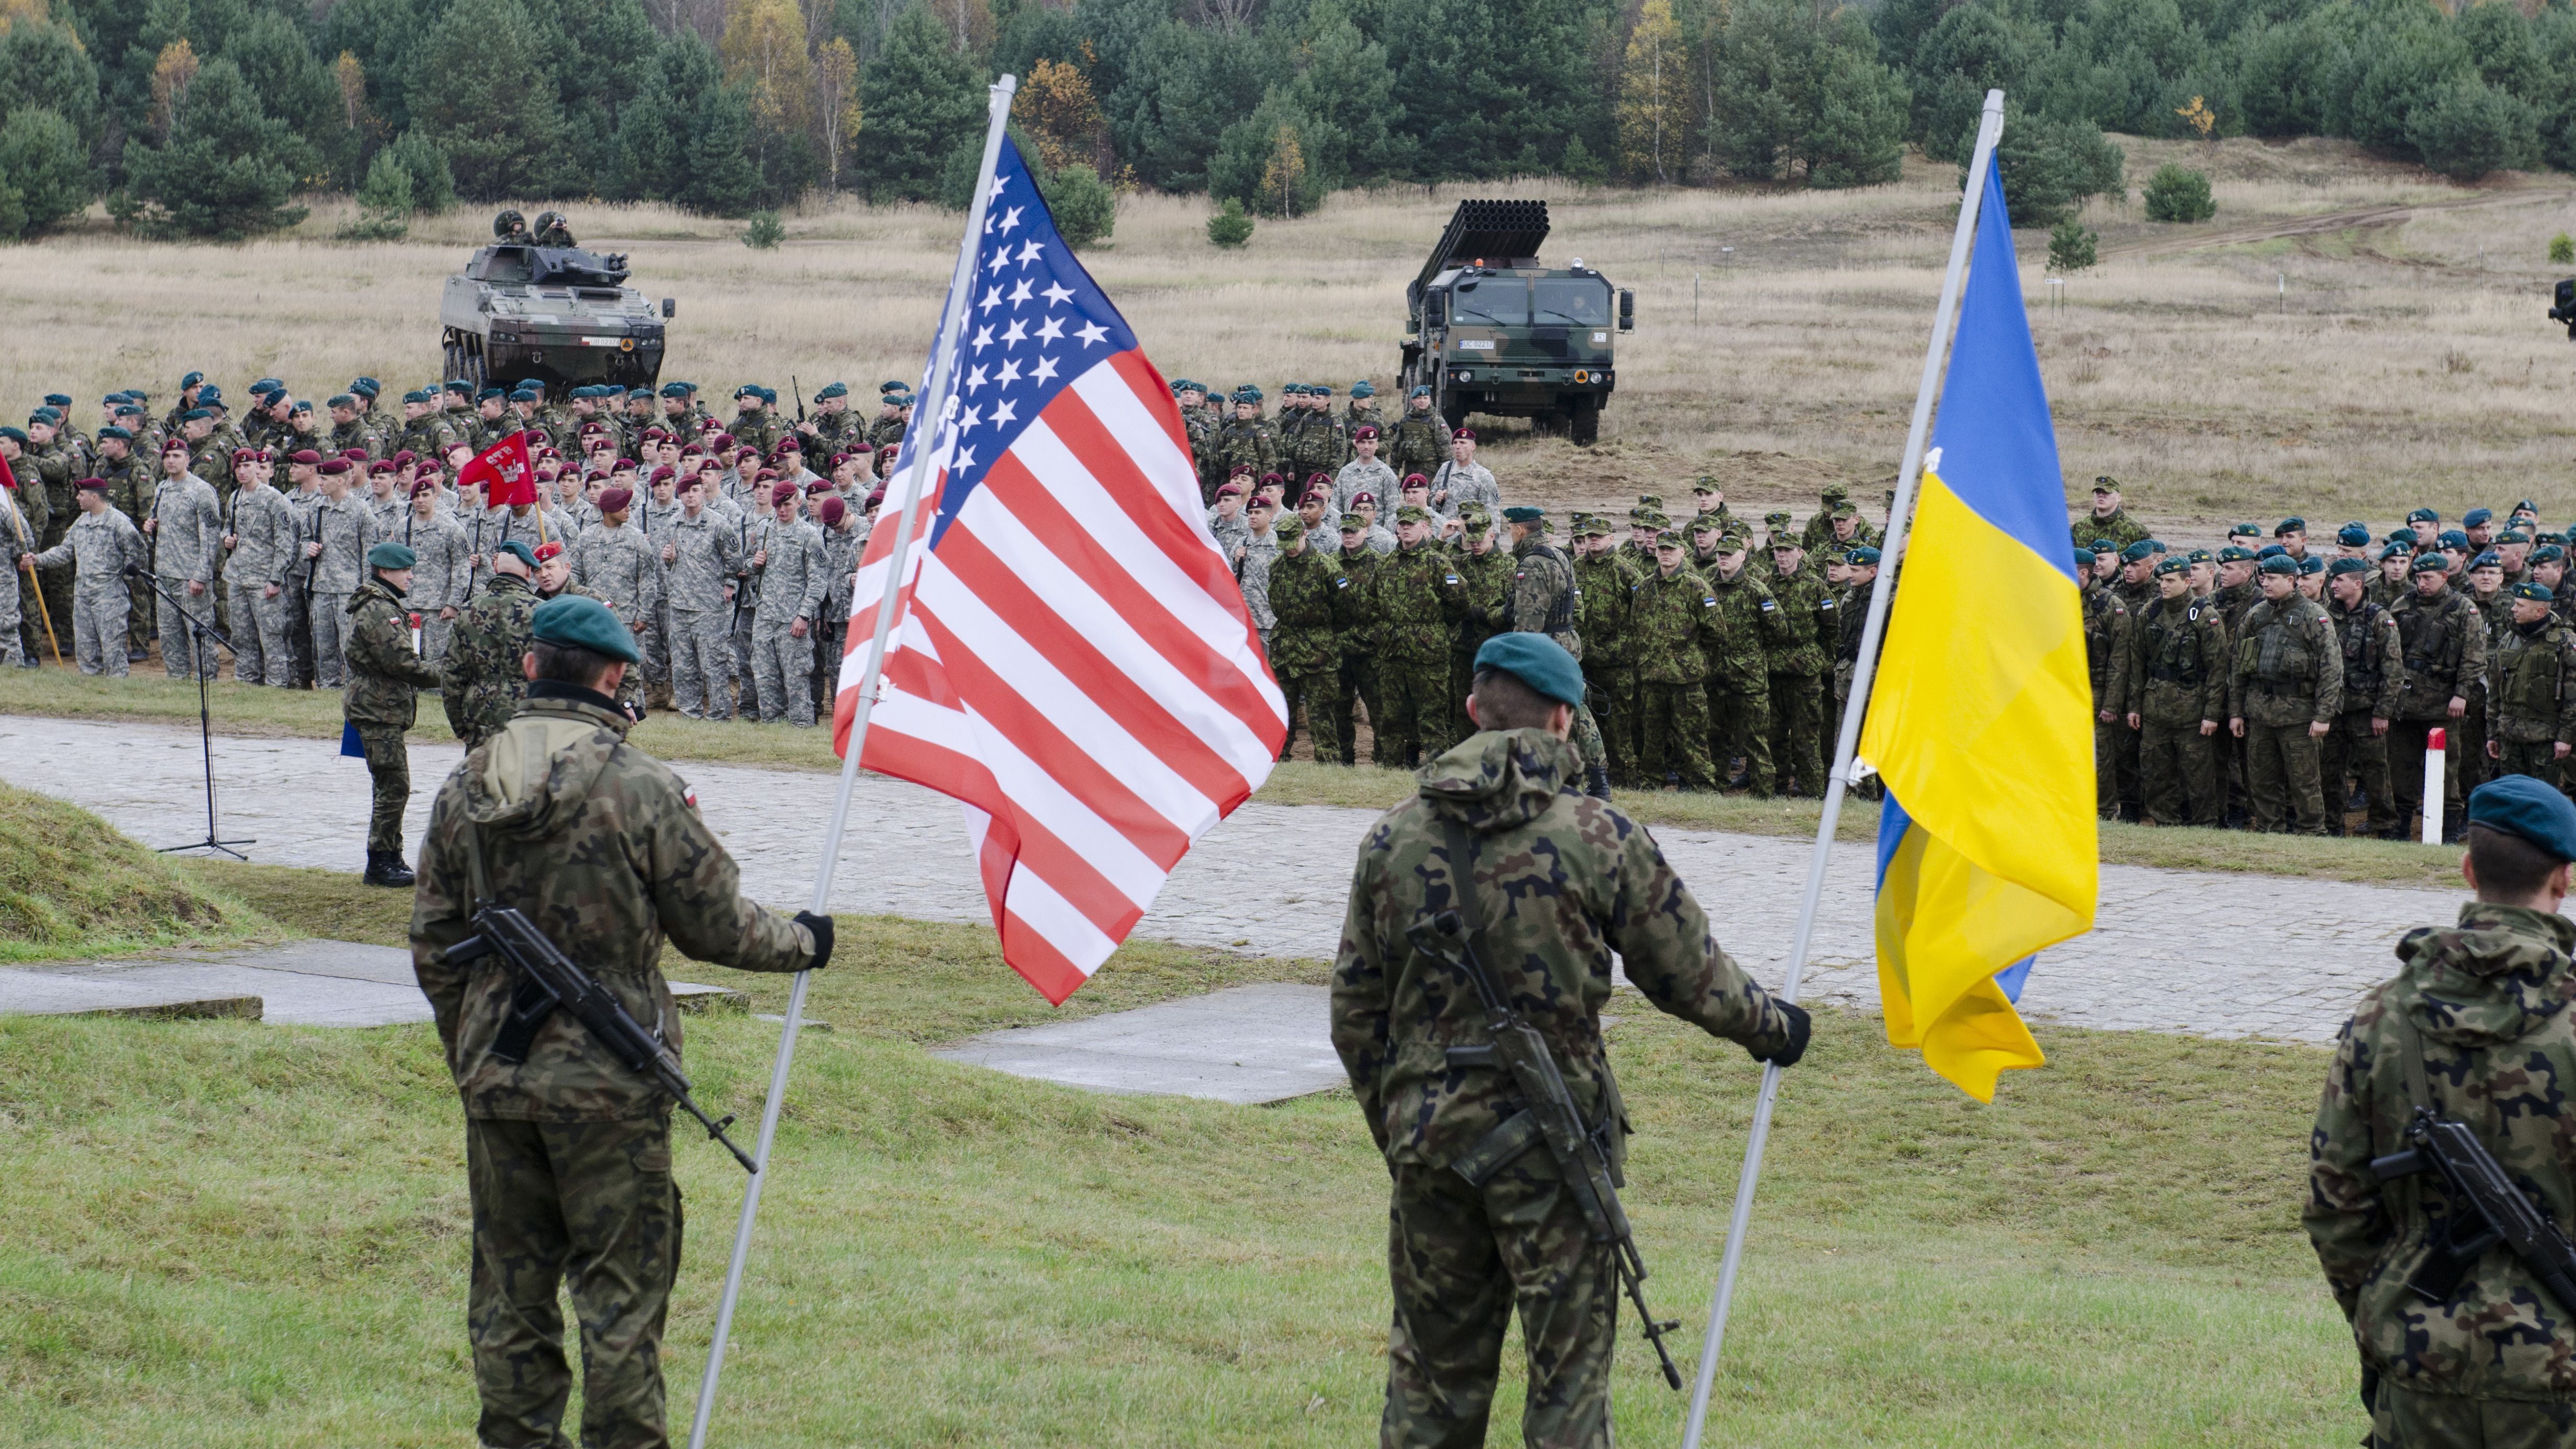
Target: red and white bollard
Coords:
[[2435, 743]]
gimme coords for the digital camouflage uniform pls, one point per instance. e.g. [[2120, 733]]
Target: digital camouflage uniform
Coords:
[[440, 579], [1674, 623], [133, 481], [263, 533], [2119, 527], [2446, 649], [97, 548], [381, 700], [46, 474], [1608, 584], [792, 585], [2532, 682], [1308, 596], [2485, 1003], [1798, 665], [346, 532], [1356, 680], [616, 566], [186, 547], [1468, 486], [485, 676], [841, 549], [2288, 676], [2107, 656], [17, 541], [568, 1153], [2374, 669], [1562, 881], [1488, 578], [1739, 675], [2178, 665], [704, 559], [1417, 598]]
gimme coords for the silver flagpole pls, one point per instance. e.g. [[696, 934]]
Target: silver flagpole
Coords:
[[1909, 474], [943, 368]]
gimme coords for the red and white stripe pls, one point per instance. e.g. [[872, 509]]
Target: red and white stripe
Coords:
[[1075, 665]]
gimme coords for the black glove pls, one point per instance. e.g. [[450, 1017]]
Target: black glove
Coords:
[[1801, 1026], [1596, 782], [821, 926]]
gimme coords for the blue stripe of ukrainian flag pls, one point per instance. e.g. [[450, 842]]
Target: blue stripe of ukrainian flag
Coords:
[[1980, 723]]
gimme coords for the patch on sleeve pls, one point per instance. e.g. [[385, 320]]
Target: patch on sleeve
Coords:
[[689, 795], [1770, 604]]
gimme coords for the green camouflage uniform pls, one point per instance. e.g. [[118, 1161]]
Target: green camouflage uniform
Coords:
[[2107, 652], [484, 677], [2532, 680], [1675, 623], [1562, 881], [1545, 600], [1799, 668], [1307, 594], [380, 700], [2374, 669], [2446, 650], [2288, 676], [1739, 678], [1608, 584], [1418, 598], [1417, 444], [1356, 679], [2178, 679], [1488, 577], [2120, 528], [2496, 609], [1250, 441], [568, 1153], [2485, 1005]]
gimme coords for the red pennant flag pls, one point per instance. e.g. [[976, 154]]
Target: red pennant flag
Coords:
[[8, 479], [504, 471]]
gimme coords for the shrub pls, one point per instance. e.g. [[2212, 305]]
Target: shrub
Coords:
[[1084, 208], [44, 171], [433, 186], [2176, 194], [765, 231], [1230, 227], [2072, 247], [2562, 248], [384, 202]]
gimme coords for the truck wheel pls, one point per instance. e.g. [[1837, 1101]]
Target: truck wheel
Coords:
[[1583, 424]]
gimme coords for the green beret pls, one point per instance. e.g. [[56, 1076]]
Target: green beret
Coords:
[[112, 431], [2170, 565], [44, 415], [675, 389], [2548, 553], [578, 622], [1543, 665], [195, 415], [2513, 535], [1867, 557], [2423, 515], [2138, 552], [832, 390], [2236, 553], [2525, 806], [2105, 545], [2246, 530], [1363, 388], [391, 555], [341, 400], [2537, 593], [418, 395], [2312, 564], [2281, 563], [2083, 562], [2292, 524], [2201, 555], [526, 555], [1523, 513], [2343, 566], [191, 380], [2430, 561], [13, 435]]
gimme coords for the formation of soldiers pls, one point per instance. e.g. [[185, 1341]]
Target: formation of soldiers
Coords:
[[2281, 684], [725, 546]]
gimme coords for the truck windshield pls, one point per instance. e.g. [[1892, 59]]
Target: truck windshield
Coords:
[[1577, 301], [1491, 302]]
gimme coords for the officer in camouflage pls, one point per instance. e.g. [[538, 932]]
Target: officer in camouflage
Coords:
[[1308, 597], [98, 548], [483, 683], [1545, 600], [1551, 883], [567, 1151], [2179, 660], [2287, 689], [1799, 665], [2473, 1027], [382, 700], [1417, 598], [2446, 649], [2107, 652], [1751, 625], [2374, 668], [2532, 685], [1607, 584], [1674, 625]]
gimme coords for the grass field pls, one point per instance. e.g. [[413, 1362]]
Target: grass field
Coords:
[[315, 714], [2348, 338], [245, 1235], [70, 886]]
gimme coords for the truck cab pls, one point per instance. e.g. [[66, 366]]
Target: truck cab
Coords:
[[1494, 331]]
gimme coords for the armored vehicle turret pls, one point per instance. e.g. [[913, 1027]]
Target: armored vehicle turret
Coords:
[[556, 313]]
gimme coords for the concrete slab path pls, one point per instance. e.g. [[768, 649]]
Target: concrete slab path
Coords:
[[1248, 1044]]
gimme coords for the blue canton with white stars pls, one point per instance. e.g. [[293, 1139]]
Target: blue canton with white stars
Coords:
[[1035, 321]]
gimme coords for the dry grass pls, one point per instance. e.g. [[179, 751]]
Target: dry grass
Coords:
[[2404, 366]]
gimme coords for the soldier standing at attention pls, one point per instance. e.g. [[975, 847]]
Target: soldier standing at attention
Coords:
[[2374, 668], [1673, 625], [2178, 662], [259, 544], [1462, 480], [1365, 473], [1544, 600], [1419, 599], [2108, 519], [2446, 648], [1608, 585], [2288, 688], [1420, 440], [482, 682], [1308, 594], [337, 554], [1739, 673], [1549, 884], [2473, 1027], [99, 545], [567, 1152], [1356, 680], [184, 533], [2106, 651], [700, 558], [1799, 666], [793, 579], [382, 700], [2533, 686], [441, 573]]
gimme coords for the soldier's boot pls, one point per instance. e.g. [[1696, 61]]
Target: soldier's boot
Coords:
[[386, 868], [1596, 782]]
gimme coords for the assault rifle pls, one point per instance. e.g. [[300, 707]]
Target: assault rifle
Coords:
[[549, 979], [2487, 1210], [1548, 1114], [799, 389]]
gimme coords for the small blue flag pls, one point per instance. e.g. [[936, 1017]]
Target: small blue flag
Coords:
[[349, 744]]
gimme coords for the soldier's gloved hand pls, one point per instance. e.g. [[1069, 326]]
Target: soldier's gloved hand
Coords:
[[1801, 1026], [821, 926]]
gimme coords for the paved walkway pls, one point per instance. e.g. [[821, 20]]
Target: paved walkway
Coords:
[[2181, 951]]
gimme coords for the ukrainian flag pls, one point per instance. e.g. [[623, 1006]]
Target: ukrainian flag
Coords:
[[1981, 721]]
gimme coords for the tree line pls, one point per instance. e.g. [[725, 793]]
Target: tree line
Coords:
[[206, 117]]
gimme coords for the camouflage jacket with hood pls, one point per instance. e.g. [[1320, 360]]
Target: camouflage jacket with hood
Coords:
[[1562, 881], [601, 846], [2489, 1001]]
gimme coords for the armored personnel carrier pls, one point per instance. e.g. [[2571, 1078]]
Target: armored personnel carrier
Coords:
[[556, 313], [1492, 330]]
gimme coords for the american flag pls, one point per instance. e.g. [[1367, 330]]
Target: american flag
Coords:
[[1071, 658]]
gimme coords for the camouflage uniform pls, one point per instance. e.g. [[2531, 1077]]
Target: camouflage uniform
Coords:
[[1418, 598], [2474, 1025], [2178, 671], [1799, 668], [792, 585], [17, 541], [2532, 680], [358, 432], [1248, 441], [568, 1153], [1308, 597], [133, 481], [1674, 624], [1472, 486], [1561, 881], [484, 678], [2374, 669], [2107, 652], [1315, 443], [1357, 677], [346, 531], [1417, 444], [1739, 678], [1488, 577], [52, 478], [381, 700], [616, 566], [441, 577], [2446, 649], [1374, 478], [704, 559], [2288, 676], [1545, 600], [186, 547], [263, 531], [1608, 584], [99, 546], [2120, 528]]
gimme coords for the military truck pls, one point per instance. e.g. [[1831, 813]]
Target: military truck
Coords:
[[562, 315], [1492, 330]]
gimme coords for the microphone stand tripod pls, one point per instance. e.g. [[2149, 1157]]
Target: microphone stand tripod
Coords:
[[202, 659]]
